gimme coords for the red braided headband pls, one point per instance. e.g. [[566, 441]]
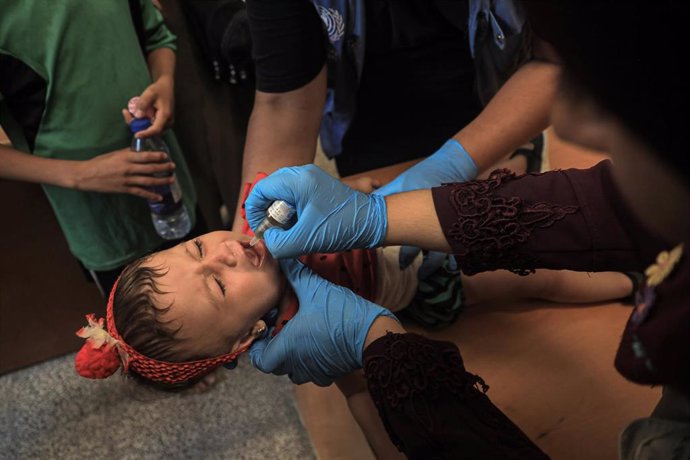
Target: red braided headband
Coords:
[[104, 352]]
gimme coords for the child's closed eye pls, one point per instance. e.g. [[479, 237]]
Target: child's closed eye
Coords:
[[220, 284], [199, 246]]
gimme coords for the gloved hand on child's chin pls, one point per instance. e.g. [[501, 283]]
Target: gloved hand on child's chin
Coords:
[[331, 217], [450, 163], [325, 340]]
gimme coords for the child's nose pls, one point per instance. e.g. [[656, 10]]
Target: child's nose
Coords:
[[222, 255]]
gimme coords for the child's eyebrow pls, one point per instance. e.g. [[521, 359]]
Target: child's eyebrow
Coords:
[[186, 249], [209, 291]]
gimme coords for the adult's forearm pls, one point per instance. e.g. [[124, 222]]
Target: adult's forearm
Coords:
[[20, 166], [432, 407], [283, 131], [566, 219], [412, 220], [517, 113], [161, 63]]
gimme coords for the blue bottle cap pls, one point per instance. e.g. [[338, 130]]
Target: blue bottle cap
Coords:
[[139, 124]]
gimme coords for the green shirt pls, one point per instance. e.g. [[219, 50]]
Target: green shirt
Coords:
[[88, 54]]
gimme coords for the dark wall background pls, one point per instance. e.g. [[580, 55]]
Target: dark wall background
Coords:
[[43, 292]]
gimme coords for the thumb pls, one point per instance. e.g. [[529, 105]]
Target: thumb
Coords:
[[145, 104], [304, 281], [263, 357], [277, 241], [256, 204], [294, 270]]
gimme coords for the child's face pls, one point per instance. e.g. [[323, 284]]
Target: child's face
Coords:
[[218, 288]]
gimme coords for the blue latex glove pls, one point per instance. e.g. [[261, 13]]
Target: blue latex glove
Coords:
[[325, 339], [450, 163], [331, 217]]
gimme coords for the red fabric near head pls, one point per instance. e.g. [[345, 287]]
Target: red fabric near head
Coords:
[[163, 371], [96, 363]]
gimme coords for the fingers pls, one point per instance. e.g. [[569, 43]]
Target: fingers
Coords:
[[127, 116], [148, 181], [159, 122], [149, 164], [286, 184], [277, 186], [275, 240], [407, 256], [266, 192], [150, 169], [294, 270], [143, 193], [155, 108], [267, 356], [145, 104], [146, 157]]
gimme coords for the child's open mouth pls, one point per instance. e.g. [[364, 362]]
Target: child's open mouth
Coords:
[[256, 254]]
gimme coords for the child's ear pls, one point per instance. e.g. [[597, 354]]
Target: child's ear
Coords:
[[253, 334]]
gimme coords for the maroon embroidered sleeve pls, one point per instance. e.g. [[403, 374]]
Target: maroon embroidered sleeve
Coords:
[[570, 219], [433, 408]]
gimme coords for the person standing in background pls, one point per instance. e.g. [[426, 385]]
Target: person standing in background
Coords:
[[385, 81], [67, 70], [212, 109]]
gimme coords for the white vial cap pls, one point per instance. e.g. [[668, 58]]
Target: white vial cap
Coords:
[[281, 212]]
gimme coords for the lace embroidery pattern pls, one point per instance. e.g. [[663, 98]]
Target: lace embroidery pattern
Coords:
[[490, 227], [413, 369], [421, 387]]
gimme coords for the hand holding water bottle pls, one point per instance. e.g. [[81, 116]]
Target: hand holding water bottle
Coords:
[[156, 103], [169, 214]]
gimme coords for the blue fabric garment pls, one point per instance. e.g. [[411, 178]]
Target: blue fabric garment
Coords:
[[344, 22], [506, 17]]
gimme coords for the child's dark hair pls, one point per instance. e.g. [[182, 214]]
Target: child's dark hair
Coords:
[[139, 320]]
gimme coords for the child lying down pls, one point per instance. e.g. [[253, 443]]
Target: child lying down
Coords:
[[210, 297], [181, 313], [176, 315]]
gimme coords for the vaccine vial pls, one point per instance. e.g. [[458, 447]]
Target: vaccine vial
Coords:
[[277, 215]]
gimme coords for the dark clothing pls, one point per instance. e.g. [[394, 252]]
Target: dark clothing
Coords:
[[25, 92], [433, 408], [576, 220], [417, 82], [573, 219]]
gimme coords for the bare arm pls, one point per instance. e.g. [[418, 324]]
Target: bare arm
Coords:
[[412, 220], [16, 165], [121, 171], [282, 131], [517, 113]]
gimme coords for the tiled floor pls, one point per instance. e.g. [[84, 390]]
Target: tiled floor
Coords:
[[550, 368]]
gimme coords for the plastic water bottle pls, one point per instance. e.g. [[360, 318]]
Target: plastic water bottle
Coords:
[[170, 216]]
